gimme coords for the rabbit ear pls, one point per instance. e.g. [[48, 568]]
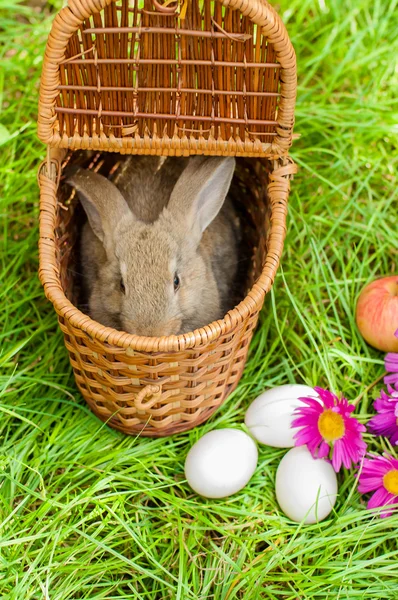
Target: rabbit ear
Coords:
[[200, 192], [101, 200]]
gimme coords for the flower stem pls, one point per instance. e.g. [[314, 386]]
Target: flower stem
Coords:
[[361, 395]]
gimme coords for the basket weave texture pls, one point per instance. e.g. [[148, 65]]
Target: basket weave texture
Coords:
[[113, 81]]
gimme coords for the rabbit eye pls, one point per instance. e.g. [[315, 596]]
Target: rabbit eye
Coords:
[[176, 282], [122, 287]]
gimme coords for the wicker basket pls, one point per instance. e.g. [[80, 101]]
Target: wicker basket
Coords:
[[190, 77]]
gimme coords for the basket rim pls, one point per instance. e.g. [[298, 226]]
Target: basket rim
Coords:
[[67, 22], [278, 191]]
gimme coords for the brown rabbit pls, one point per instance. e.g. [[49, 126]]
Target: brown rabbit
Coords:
[[159, 255]]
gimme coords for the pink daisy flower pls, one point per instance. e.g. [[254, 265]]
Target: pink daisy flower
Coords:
[[380, 475], [385, 423], [327, 428]]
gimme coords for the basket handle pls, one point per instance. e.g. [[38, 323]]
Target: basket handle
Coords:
[[165, 8], [153, 392]]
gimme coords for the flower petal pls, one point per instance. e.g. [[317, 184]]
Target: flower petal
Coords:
[[323, 450], [379, 498], [394, 438], [369, 484], [337, 456]]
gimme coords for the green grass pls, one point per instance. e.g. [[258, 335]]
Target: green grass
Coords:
[[89, 513]]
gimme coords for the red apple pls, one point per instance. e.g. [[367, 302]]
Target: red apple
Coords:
[[377, 313]]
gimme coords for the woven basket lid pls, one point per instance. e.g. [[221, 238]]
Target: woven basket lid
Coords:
[[188, 77]]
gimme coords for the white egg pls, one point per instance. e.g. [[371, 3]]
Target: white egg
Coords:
[[221, 463], [269, 417], [306, 488]]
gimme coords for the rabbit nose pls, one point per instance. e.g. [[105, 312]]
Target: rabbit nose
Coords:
[[158, 330]]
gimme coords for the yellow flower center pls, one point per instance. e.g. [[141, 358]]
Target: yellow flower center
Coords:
[[331, 425], [390, 481]]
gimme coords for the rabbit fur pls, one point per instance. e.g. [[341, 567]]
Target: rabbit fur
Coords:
[[159, 250]]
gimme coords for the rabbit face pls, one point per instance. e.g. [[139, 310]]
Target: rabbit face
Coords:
[[162, 290], [154, 279]]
